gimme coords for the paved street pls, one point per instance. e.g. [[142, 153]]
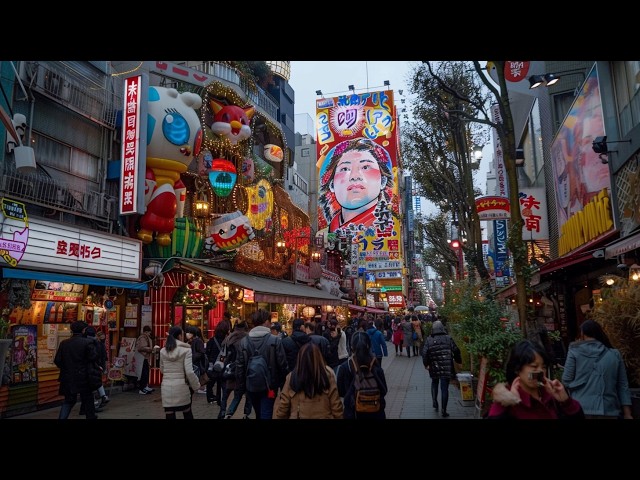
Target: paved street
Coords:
[[409, 397]]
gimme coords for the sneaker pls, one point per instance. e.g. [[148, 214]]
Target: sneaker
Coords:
[[148, 389], [105, 400], [144, 392], [201, 391]]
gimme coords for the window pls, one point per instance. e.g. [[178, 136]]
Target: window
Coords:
[[64, 158], [304, 152], [299, 182], [626, 79]]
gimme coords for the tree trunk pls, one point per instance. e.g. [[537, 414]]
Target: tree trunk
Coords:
[[514, 242]]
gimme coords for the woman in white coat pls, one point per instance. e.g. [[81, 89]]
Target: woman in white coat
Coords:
[[178, 379]]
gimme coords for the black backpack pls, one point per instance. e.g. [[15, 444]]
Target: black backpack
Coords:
[[258, 377]]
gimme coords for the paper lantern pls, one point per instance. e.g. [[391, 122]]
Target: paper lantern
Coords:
[[308, 312], [222, 176]]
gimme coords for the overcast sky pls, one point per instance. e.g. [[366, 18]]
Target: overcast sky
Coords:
[[334, 78]]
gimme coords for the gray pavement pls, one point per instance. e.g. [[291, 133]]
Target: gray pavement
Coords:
[[409, 397]]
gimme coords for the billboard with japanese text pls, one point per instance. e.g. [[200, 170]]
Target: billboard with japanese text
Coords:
[[357, 172]]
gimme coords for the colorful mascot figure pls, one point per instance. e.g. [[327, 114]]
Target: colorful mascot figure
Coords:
[[174, 137], [231, 121], [229, 232]]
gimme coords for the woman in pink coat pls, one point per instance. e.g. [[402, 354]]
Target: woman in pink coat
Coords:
[[398, 336]]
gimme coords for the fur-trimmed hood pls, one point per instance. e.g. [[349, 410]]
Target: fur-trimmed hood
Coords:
[[502, 395]]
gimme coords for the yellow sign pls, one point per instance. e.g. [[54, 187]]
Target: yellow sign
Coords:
[[589, 223]]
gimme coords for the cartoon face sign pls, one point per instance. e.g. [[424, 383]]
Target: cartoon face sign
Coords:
[[229, 232], [231, 121], [173, 126]]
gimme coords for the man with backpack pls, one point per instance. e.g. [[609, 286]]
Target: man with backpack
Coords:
[[261, 365]]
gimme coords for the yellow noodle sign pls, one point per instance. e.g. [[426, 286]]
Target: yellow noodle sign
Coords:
[[589, 223]]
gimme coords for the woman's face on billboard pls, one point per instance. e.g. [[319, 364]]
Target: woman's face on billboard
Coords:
[[357, 180]]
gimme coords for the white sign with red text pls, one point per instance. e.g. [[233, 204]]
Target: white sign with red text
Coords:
[[54, 246], [533, 208]]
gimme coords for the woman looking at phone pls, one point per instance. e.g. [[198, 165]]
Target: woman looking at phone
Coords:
[[528, 393]]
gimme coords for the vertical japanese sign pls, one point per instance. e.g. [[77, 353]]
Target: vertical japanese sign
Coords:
[[357, 171], [501, 253], [134, 134], [533, 208]]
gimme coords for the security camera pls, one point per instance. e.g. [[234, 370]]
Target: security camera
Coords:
[[623, 266], [598, 254]]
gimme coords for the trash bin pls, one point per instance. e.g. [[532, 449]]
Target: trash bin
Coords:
[[465, 379]]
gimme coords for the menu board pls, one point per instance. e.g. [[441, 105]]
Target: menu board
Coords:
[[58, 292]]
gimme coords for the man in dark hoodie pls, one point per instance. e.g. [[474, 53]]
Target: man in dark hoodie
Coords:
[[294, 342], [259, 341], [438, 353]]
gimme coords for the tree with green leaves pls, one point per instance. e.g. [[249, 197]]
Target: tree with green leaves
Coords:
[[451, 98]]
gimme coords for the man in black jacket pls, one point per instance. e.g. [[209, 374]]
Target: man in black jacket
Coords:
[[438, 354], [76, 357], [294, 342], [261, 340]]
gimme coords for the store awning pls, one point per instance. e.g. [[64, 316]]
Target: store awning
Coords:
[[623, 245], [60, 277], [271, 290], [357, 308], [581, 254]]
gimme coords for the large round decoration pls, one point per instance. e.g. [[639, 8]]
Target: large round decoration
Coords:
[[222, 176], [229, 232], [273, 153]]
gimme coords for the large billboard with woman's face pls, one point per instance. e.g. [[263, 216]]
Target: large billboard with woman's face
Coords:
[[357, 171], [578, 171]]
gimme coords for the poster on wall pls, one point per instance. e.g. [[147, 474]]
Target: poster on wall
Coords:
[[133, 359], [24, 354], [578, 173]]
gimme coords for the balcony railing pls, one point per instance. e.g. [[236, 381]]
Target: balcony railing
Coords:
[[72, 90], [46, 192]]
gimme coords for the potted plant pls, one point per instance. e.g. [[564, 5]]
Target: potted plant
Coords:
[[481, 328]]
